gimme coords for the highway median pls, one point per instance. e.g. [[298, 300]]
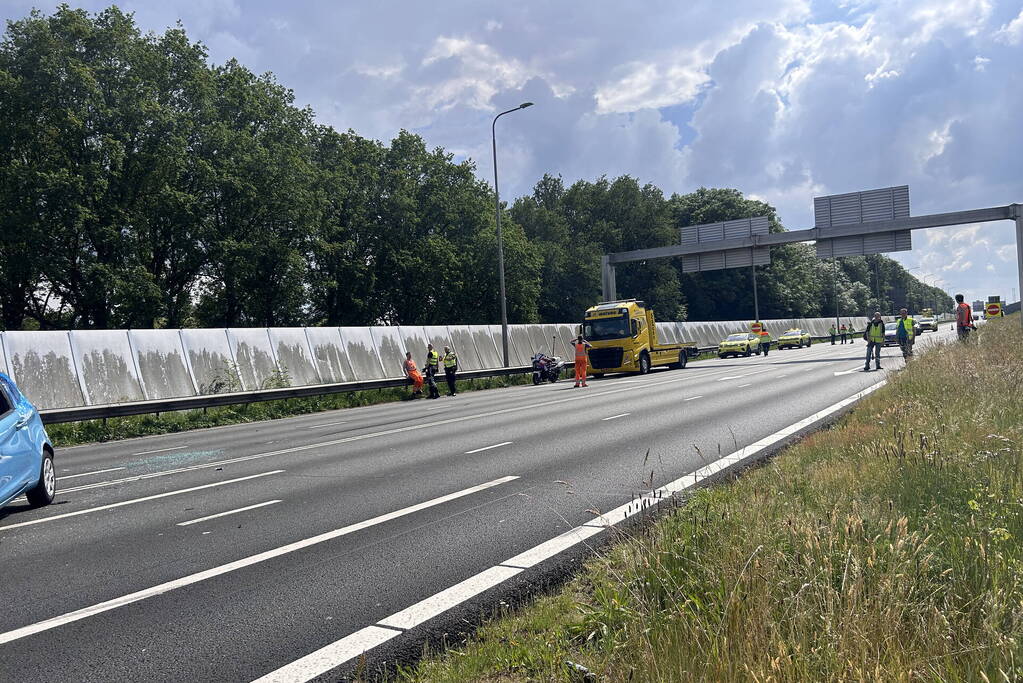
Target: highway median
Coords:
[[886, 547]]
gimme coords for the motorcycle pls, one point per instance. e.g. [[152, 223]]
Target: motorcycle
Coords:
[[546, 368]]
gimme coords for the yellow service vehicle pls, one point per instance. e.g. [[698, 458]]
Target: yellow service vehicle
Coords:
[[624, 338], [794, 337], [739, 344]]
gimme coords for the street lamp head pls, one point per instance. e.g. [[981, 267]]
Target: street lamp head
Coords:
[[525, 104]]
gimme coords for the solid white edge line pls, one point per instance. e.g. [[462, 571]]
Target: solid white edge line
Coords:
[[229, 512], [122, 503], [487, 448], [197, 577], [315, 663], [86, 474], [614, 417], [437, 604]]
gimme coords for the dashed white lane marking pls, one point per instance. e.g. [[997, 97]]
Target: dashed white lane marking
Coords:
[[725, 379], [487, 448], [136, 500], [229, 512], [327, 424], [138, 596], [614, 417], [160, 450], [359, 642], [386, 432], [86, 474], [749, 384], [693, 398], [847, 372]]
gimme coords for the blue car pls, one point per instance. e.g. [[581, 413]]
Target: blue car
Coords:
[[26, 454]]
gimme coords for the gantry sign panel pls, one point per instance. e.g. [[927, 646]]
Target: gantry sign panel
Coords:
[[708, 233], [884, 204]]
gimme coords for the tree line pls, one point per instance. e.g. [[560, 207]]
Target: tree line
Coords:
[[142, 186]]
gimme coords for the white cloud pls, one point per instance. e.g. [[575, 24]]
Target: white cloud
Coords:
[[1012, 32]]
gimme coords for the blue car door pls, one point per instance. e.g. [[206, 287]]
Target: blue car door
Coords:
[[18, 462]]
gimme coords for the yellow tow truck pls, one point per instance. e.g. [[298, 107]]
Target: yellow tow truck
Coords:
[[624, 338]]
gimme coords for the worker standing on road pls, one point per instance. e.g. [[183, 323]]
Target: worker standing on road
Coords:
[[874, 336], [450, 368], [765, 340], [964, 318], [580, 360], [904, 333], [845, 333], [413, 374], [832, 331], [432, 365]]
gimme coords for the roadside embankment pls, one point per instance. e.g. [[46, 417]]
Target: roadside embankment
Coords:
[[889, 547]]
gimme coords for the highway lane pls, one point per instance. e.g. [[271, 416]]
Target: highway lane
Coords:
[[243, 622]]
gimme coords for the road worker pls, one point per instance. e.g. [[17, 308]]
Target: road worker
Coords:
[[413, 374], [844, 332], [580, 360], [874, 336], [964, 318], [904, 333], [432, 366], [765, 340], [450, 368], [832, 331]]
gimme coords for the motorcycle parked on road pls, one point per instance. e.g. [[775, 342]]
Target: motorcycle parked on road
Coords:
[[546, 368]]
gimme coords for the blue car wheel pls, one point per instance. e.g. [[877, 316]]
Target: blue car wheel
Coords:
[[43, 492]]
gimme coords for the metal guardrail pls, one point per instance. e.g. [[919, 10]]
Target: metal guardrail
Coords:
[[79, 413]]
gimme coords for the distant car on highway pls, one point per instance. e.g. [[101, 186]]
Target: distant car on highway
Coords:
[[928, 323], [26, 454], [740, 343], [794, 337], [890, 338]]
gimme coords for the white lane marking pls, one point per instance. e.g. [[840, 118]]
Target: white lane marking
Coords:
[[784, 374], [448, 598], [744, 385], [723, 379], [487, 448], [360, 437], [160, 450], [162, 588], [136, 500], [86, 474], [614, 417], [315, 663], [229, 512], [327, 424], [336, 654], [693, 398], [848, 372]]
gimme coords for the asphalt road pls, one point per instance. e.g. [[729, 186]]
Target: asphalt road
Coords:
[[227, 554]]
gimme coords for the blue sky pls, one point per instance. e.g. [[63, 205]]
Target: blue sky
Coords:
[[783, 100]]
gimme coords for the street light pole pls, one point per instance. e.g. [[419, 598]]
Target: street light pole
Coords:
[[500, 237], [834, 289], [756, 301]]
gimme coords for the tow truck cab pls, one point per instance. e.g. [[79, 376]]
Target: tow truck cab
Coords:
[[624, 338]]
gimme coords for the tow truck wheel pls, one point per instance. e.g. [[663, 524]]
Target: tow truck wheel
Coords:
[[682, 358], [644, 364]]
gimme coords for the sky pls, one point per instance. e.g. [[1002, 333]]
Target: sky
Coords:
[[782, 99]]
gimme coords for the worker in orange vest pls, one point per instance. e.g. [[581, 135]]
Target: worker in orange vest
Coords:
[[580, 359], [413, 375], [964, 318]]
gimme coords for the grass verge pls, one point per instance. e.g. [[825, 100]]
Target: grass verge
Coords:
[[112, 429], [885, 548]]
